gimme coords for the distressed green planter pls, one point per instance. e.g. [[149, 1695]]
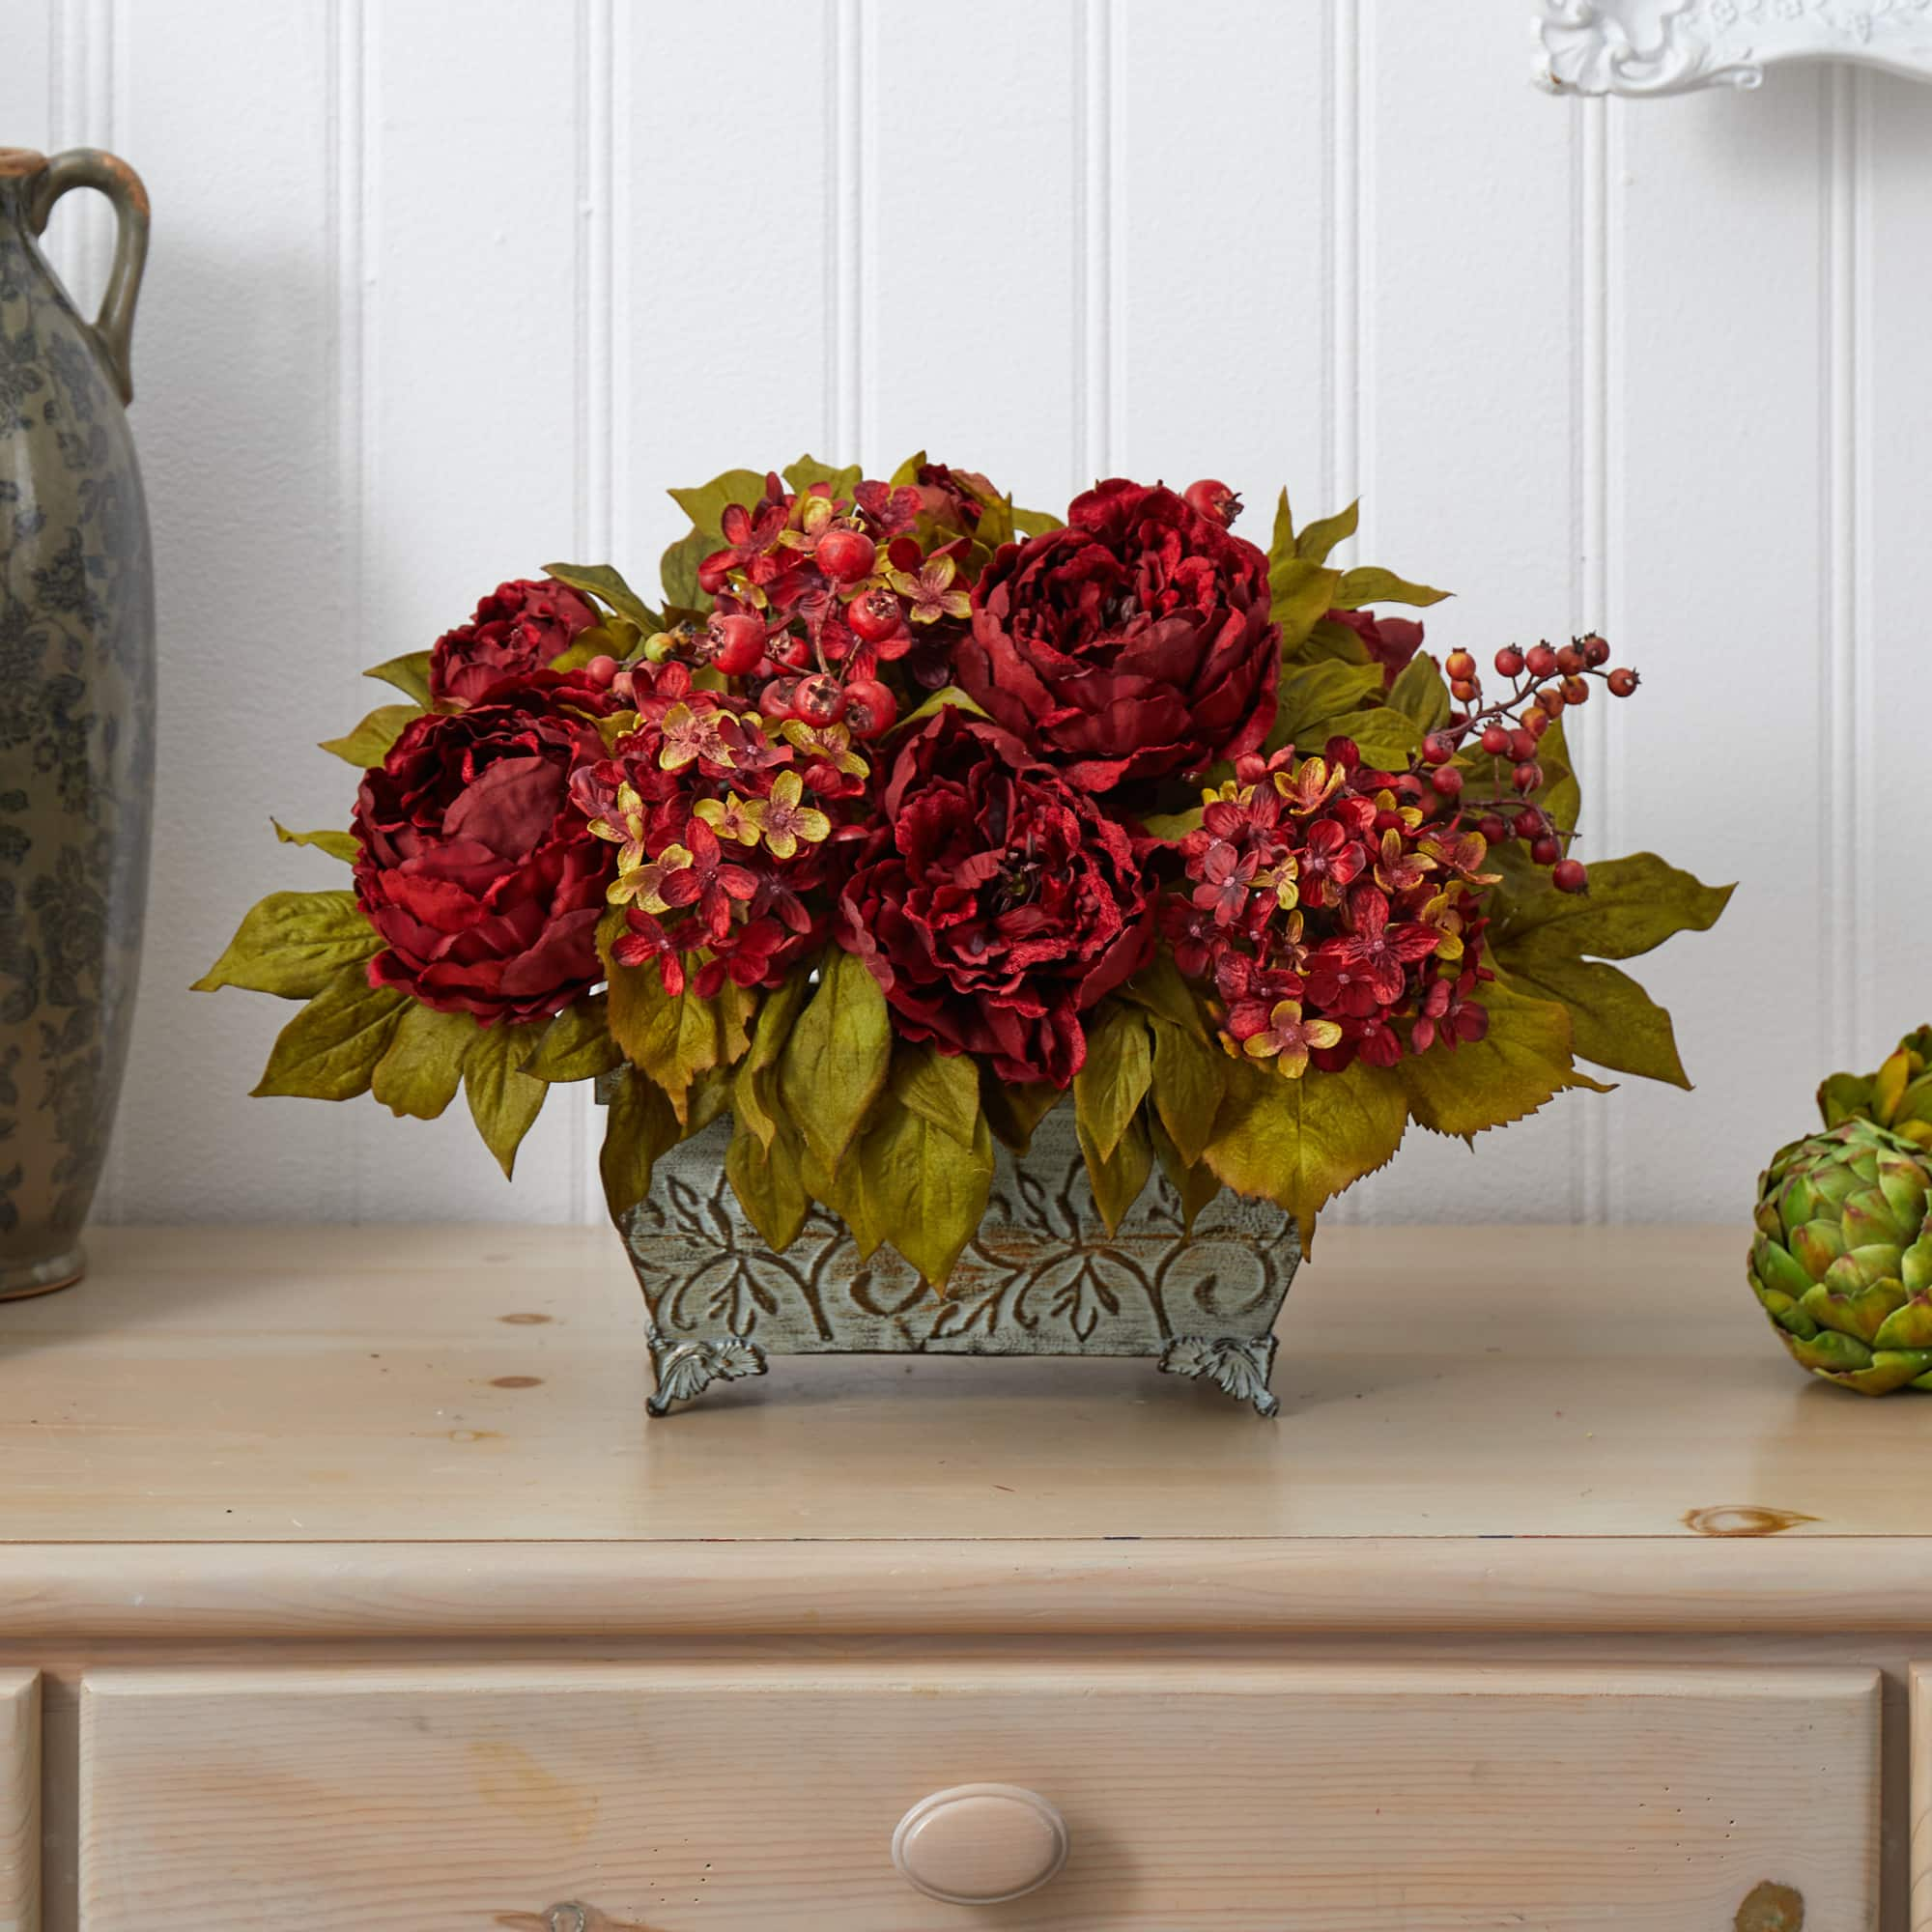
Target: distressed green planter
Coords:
[[1043, 1277]]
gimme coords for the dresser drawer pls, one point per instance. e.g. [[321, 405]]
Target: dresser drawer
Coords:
[[19, 1801], [1194, 1796]]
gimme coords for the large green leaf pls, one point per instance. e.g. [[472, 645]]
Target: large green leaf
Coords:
[[755, 1084], [1298, 1143], [1614, 1021], [1113, 1078], [1632, 904], [329, 1050], [679, 572], [343, 845], [1300, 593], [1315, 698], [948, 698], [293, 943], [1190, 1080], [673, 1038], [834, 1064], [1196, 1186], [1524, 1060], [639, 1125], [410, 674], [1014, 1111], [941, 1088], [1117, 1177], [768, 1183], [370, 742], [609, 587], [1421, 694], [505, 1101], [1162, 989], [808, 471], [1385, 737], [577, 1044], [1325, 532], [423, 1068], [705, 503], [1381, 586]]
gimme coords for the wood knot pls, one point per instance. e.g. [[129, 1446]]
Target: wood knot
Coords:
[[1743, 1519], [1772, 1908]]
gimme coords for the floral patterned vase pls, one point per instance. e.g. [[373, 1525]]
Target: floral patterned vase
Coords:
[[1041, 1277], [77, 715]]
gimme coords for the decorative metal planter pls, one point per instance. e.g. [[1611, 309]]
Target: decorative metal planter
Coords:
[[1043, 1277]]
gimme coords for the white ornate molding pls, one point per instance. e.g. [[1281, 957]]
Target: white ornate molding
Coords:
[[1677, 46]]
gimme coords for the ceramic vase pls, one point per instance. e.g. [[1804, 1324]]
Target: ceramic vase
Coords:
[[77, 715]]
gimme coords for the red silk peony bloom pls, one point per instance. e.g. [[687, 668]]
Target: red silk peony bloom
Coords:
[[997, 903], [1134, 643], [475, 868], [519, 628]]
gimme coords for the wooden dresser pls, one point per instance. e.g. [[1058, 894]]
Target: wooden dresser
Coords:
[[346, 1588]]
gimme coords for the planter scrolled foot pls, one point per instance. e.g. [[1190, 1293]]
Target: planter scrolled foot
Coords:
[[687, 1367], [1238, 1365]]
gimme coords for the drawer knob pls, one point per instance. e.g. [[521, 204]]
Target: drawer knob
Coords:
[[978, 1844]]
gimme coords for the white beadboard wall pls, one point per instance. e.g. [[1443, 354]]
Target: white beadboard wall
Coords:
[[442, 289]]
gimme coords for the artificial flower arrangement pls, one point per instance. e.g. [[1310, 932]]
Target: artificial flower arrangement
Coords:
[[905, 816]]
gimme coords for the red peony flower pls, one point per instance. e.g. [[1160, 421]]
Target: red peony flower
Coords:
[[519, 628], [1133, 644], [483, 880], [997, 903], [1390, 642]]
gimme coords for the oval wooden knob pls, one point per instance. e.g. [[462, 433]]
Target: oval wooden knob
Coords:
[[978, 1844]]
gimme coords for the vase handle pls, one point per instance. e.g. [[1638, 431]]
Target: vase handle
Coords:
[[93, 167]]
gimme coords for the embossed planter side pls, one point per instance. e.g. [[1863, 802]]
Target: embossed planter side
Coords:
[[1043, 1277], [77, 717]]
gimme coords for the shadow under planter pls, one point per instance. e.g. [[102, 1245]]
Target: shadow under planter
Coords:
[[1041, 1277]]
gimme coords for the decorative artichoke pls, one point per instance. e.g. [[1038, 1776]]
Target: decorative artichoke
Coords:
[[1842, 1261], [1898, 1096]]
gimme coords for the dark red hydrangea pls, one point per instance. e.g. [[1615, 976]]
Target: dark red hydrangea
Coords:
[[1336, 918], [733, 832], [1134, 643], [483, 881], [1390, 642], [997, 903], [521, 627]]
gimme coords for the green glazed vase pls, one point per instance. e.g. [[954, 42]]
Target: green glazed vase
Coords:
[[77, 715]]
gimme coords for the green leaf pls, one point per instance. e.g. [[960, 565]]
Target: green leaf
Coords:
[[834, 1064], [1298, 1143], [639, 1125], [1325, 532], [423, 1068], [1164, 991], [1421, 694], [1036, 523], [1196, 1186], [808, 471], [577, 1044], [1313, 697], [370, 741], [343, 845], [1172, 826], [756, 1087], [705, 503], [1385, 737], [769, 1184], [505, 1101], [1014, 1112], [1113, 1078], [1190, 1080], [1281, 542], [1612, 1020], [942, 1087], [1118, 1177], [678, 572], [293, 943], [947, 696], [1525, 1060], [710, 1097], [1332, 639], [329, 1050], [1633, 905], [907, 474], [609, 588], [1299, 594], [409, 674], [673, 1039], [1383, 586]]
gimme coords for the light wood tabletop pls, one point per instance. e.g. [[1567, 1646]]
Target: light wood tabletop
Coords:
[[1452, 1399]]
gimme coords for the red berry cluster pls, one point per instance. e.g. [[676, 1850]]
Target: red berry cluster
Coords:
[[1543, 683], [814, 594], [732, 830], [1337, 917]]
